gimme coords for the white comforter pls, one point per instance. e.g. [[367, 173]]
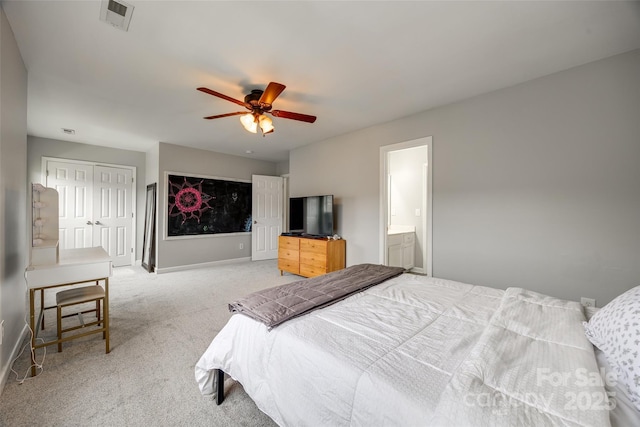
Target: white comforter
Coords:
[[417, 351]]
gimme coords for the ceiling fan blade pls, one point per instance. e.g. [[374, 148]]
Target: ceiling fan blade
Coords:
[[293, 116], [220, 95], [219, 116], [270, 94]]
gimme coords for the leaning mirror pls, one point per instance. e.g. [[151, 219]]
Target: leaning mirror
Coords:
[[149, 242]]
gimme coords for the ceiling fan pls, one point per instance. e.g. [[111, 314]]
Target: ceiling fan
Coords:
[[258, 103]]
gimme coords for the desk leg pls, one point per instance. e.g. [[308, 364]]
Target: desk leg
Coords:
[[33, 331], [106, 314], [42, 306]]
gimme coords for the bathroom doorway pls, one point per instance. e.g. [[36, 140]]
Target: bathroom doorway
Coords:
[[405, 205]]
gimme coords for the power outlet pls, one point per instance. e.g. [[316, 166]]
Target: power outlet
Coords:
[[241, 246], [587, 302]]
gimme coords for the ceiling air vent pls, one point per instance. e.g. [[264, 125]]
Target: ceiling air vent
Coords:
[[116, 13]]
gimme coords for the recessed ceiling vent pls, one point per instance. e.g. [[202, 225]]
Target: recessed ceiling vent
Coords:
[[116, 13]]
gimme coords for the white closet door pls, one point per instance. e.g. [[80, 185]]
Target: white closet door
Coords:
[[74, 183], [96, 207], [113, 212]]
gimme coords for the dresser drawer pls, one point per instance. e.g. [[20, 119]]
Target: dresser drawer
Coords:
[[285, 242], [289, 254], [313, 258], [312, 270], [292, 266], [313, 246]]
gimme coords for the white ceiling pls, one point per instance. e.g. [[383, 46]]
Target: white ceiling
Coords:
[[351, 64]]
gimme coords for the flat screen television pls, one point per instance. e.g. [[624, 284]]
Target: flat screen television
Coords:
[[312, 215]]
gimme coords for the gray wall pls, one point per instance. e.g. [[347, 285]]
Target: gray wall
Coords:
[[151, 162], [282, 168], [535, 185], [152, 174], [44, 147], [185, 252], [14, 249]]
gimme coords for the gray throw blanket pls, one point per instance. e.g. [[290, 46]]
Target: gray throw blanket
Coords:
[[276, 305]]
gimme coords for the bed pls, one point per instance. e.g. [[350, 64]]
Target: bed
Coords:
[[416, 350]]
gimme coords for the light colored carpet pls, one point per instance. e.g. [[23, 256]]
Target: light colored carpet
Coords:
[[160, 326]]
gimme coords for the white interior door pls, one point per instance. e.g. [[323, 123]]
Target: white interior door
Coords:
[[112, 212], [74, 183], [425, 211], [266, 210], [96, 207]]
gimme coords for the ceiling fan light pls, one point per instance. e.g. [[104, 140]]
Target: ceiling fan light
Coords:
[[249, 122], [266, 124]]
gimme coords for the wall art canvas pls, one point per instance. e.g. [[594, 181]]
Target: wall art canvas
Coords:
[[198, 205]]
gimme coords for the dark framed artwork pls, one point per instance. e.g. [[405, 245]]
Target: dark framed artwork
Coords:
[[202, 205], [149, 241]]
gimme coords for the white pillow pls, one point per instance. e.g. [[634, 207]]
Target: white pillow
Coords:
[[615, 330]]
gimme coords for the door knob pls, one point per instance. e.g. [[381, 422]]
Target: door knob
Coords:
[[89, 223], [98, 223]]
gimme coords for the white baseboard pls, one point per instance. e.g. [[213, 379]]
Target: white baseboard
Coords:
[[6, 370], [202, 265]]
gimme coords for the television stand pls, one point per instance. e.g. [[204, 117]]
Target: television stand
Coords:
[[309, 256]]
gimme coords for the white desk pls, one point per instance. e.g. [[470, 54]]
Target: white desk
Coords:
[[76, 266]]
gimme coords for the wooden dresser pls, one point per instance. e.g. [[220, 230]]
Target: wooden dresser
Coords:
[[310, 257]]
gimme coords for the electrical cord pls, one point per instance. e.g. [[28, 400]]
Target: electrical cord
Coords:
[[33, 357], [33, 353]]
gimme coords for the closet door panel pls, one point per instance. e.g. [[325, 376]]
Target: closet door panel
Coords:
[[74, 183], [113, 212]]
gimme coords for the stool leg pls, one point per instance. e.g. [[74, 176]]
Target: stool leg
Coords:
[[104, 333], [98, 311], [59, 316]]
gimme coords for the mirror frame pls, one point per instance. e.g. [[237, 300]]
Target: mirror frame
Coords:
[[149, 242]]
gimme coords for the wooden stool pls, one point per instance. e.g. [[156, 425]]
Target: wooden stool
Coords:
[[80, 296]]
